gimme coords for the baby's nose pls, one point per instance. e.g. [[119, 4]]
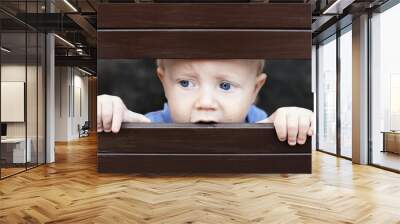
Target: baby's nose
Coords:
[[206, 101]]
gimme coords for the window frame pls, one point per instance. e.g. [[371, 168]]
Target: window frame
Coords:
[[337, 30]]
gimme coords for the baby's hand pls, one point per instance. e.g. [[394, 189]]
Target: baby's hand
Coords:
[[111, 112], [292, 123]]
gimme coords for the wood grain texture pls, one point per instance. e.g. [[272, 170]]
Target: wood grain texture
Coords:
[[204, 15], [92, 106], [204, 44], [72, 191], [209, 163], [208, 148], [188, 138]]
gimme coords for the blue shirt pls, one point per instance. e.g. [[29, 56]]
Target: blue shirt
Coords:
[[254, 115]]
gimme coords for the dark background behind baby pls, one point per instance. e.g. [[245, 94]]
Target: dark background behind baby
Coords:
[[136, 82]]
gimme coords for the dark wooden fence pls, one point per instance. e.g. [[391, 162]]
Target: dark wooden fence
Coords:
[[202, 30]]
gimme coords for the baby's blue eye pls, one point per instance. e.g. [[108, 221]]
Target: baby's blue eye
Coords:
[[225, 85], [184, 83]]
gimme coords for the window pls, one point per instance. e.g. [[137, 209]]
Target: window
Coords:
[[385, 88], [327, 95], [346, 92]]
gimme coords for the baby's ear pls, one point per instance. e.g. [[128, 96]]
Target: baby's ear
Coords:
[[161, 74], [260, 81]]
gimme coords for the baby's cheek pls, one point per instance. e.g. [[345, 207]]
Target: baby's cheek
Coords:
[[238, 115], [180, 116], [235, 109], [180, 109]]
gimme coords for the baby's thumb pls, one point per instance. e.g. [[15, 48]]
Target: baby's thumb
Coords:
[[135, 117], [270, 119]]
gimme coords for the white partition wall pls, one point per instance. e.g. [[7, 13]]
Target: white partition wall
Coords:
[[71, 102]]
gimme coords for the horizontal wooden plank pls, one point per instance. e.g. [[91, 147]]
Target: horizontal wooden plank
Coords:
[[197, 139], [204, 164], [204, 44], [204, 15]]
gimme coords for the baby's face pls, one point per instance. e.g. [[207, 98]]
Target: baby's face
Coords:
[[210, 90]]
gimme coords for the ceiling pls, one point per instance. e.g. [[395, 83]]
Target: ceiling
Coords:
[[76, 22]]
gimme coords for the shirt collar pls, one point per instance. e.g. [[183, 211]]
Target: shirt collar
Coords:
[[166, 115]]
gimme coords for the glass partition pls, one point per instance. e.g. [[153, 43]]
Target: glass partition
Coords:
[[22, 90], [14, 153]]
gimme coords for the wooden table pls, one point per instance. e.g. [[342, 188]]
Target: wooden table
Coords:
[[391, 141]]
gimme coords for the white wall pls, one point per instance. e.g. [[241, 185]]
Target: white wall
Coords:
[[33, 126], [14, 73], [12, 101], [80, 105], [71, 93], [17, 73], [62, 81]]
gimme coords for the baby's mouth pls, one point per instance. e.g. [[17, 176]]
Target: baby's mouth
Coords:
[[205, 122], [204, 119]]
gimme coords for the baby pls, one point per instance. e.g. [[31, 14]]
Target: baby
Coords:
[[208, 91]]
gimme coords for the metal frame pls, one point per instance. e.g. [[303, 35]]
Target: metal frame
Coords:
[[338, 98], [369, 90]]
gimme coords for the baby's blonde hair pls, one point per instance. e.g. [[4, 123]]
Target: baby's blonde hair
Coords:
[[261, 63]]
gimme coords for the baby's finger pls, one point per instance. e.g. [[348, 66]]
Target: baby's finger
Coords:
[[292, 128], [107, 113], [99, 122], [311, 129], [130, 116], [304, 126], [118, 113], [266, 120], [280, 126]]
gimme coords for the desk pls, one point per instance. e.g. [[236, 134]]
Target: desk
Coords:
[[391, 141], [13, 150]]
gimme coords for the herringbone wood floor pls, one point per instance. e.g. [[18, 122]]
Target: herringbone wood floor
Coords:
[[71, 191]]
